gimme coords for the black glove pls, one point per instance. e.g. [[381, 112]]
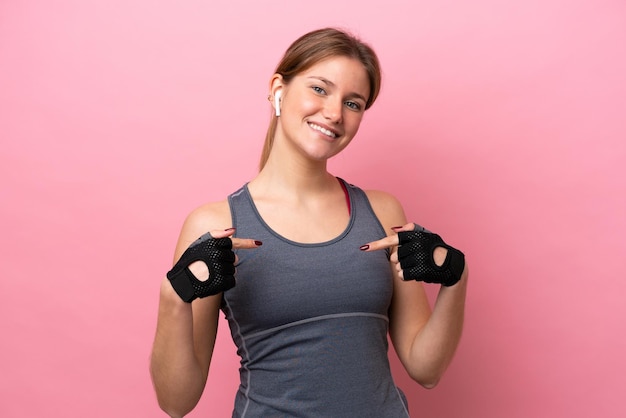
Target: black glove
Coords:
[[415, 254], [217, 254]]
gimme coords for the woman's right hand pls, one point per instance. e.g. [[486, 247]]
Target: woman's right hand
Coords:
[[207, 267]]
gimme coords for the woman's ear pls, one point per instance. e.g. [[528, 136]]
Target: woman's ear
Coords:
[[276, 82], [276, 92]]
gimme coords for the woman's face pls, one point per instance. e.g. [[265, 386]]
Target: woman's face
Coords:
[[322, 108]]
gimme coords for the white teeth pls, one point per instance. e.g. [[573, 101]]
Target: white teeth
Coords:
[[322, 130]]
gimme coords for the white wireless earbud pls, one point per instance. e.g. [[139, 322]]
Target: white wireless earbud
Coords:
[[277, 102]]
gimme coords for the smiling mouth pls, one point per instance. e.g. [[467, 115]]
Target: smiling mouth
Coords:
[[325, 131]]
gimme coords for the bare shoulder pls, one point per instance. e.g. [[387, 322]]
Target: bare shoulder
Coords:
[[387, 208], [208, 217]]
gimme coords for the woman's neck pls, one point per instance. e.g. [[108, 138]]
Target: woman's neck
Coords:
[[289, 174], [285, 182]]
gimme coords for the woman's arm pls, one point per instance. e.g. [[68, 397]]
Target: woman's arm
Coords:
[[426, 343], [186, 332], [181, 354], [424, 339]]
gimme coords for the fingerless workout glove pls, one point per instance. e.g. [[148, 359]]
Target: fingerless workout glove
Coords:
[[217, 254], [415, 254]]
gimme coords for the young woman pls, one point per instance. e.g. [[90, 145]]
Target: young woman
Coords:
[[324, 270]]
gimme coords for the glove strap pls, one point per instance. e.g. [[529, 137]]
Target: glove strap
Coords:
[[454, 263], [182, 283]]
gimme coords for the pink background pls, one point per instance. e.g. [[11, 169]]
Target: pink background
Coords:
[[501, 125]]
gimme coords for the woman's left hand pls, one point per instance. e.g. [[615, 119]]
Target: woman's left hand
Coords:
[[421, 255]]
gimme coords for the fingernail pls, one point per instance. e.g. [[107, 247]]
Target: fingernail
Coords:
[[258, 242], [396, 227], [364, 247], [230, 229]]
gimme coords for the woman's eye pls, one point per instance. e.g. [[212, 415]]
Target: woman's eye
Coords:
[[319, 90], [353, 105]]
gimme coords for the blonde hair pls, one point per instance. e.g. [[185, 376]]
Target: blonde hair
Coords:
[[317, 46]]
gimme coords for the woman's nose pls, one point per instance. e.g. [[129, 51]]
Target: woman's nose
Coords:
[[333, 110]]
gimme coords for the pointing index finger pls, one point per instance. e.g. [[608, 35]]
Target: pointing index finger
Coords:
[[237, 243], [242, 243], [381, 244]]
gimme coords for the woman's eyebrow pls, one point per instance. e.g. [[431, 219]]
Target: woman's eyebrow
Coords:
[[322, 79]]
